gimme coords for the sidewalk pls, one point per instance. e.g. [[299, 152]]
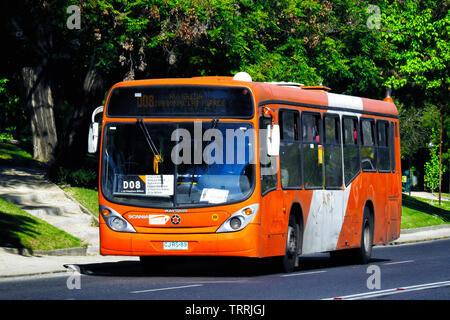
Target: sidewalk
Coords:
[[15, 265], [29, 189], [426, 195]]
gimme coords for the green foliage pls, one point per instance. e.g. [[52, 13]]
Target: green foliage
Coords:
[[84, 178], [10, 110], [79, 178], [351, 46], [418, 35], [432, 172]]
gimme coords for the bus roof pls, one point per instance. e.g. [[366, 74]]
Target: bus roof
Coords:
[[280, 93]]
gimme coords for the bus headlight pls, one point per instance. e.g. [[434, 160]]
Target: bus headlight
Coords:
[[235, 223], [240, 219], [115, 221]]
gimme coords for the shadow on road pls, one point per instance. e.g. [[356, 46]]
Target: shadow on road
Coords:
[[206, 267]]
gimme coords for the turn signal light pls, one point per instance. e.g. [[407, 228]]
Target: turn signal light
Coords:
[[105, 212]]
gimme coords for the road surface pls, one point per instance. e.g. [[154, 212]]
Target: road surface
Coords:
[[414, 271]]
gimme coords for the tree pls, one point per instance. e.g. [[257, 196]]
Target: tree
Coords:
[[433, 170]]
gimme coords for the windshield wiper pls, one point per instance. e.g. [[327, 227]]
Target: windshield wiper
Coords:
[[157, 158]]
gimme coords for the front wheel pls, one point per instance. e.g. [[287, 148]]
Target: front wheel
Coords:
[[289, 261]]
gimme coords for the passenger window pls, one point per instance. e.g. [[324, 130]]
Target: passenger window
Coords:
[[368, 148], [312, 151], [290, 146], [392, 145], [351, 152], [332, 152], [383, 157], [288, 125], [311, 128]]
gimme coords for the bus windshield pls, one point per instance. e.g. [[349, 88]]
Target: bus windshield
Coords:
[[194, 164]]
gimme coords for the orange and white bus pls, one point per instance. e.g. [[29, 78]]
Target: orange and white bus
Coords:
[[223, 166]]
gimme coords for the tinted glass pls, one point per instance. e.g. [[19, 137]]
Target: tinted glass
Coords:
[[368, 150], [351, 149]]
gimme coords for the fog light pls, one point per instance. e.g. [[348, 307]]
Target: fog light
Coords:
[[235, 223], [117, 224]]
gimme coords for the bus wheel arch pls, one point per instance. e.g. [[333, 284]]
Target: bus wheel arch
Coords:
[[369, 205], [297, 212], [294, 239]]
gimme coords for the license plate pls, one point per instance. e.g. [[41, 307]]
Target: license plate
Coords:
[[175, 245]]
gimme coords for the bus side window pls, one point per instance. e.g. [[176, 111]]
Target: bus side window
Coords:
[[352, 161], [312, 151], [383, 157], [368, 148], [290, 160], [392, 146], [332, 151], [268, 164]]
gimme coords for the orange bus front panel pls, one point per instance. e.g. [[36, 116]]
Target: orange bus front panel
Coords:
[[240, 243]]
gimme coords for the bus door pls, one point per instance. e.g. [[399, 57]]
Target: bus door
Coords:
[[272, 214], [385, 178]]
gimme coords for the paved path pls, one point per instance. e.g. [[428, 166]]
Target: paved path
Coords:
[[426, 195], [29, 189]]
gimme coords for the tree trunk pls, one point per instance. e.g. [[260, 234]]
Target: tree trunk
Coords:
[[40, 103], [74, 147]]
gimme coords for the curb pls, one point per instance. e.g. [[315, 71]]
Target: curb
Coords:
[[82, 208], [44, 273], [76, 251], [396, 243], [413, 230]]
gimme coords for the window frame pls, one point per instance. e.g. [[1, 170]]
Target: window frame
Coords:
[[358, 145], [320, 143], [387, 147], [375, 142], [339, 143], [298, 141], [392, 148], [272, 188]]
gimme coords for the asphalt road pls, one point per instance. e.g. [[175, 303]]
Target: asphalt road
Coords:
[[405, 272]]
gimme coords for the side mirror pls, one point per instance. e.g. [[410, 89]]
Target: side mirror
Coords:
[[93, 131], [93, 137], [273, 140]]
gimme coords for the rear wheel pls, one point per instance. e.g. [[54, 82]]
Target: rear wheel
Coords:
[[364, 253]]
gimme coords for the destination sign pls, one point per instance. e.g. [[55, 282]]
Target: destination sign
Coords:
[[180, 100]]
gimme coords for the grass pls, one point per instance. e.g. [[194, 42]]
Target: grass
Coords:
[[418, 212], [87, 197], [18, 229], [11, 152]]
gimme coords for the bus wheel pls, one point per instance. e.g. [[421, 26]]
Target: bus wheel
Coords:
[[289, 261], [364, 253]]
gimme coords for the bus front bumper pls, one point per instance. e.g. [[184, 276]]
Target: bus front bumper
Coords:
[[243, 243]]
